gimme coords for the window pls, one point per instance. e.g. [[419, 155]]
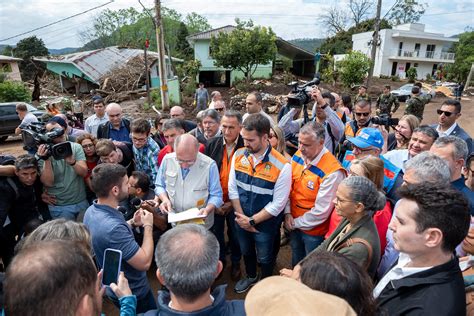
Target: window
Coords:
[[430, 49], [417, 50], [5, 67], [415, 65], [400, 47]]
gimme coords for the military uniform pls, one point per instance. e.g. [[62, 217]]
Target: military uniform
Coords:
[[415, 105], [359, 97], [385, 103]]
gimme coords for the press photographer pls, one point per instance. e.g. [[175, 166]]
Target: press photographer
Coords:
[[298, 100], [62, 174], [36, 134]]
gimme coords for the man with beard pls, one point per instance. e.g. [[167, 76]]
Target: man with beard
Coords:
[[421, 140], [259, 185], [109, 229]]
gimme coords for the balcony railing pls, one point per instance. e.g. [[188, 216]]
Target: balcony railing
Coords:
[[427, 54]]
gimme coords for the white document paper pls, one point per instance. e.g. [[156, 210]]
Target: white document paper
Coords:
[[192, 213]]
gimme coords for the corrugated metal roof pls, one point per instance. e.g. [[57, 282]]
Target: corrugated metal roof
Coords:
[[210, 33], [97, 63], [9, 58]]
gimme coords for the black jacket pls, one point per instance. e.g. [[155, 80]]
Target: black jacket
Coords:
[[104, 129], [436, 291], [215, 148]]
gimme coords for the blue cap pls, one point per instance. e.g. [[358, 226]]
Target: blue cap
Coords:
[[368, 137]]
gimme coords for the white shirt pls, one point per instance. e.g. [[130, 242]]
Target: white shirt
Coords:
[[323, 204], [448, 131], [397, 272], [261, 112], [91, 125], [398, 157], [281, 191]]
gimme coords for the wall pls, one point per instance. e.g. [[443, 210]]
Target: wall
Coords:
[[173, 88], [11, 70], [69, 69]]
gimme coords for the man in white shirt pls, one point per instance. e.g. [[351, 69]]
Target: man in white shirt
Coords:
[[92, 123], [26, 117], [421, 140], [430, 221], [254, 104]]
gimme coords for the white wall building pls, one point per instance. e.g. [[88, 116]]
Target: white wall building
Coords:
[[406, 46]]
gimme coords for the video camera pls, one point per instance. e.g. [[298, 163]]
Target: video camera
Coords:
[[384, 120], [36, 134], [301, 95]]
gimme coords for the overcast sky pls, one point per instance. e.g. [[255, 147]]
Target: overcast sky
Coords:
[[288, 18]]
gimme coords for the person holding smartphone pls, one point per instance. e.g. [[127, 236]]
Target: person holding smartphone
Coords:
[[109, 229]]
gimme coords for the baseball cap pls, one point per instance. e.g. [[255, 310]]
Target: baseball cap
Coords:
[[97, 99], [368, 137], [279, 295], [59, 120]]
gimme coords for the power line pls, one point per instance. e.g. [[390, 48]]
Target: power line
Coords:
[[67, 18]]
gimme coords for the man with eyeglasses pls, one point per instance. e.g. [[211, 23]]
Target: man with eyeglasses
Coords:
[[369, 142], [219, 106], [117, 128], [145, 149], [449, 112], [189, 179], [469, 172]]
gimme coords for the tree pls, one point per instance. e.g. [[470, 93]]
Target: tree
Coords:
[[11, 91], [407, 11], [360, 10], [353, 68], [464, 56], [244, 48], [26, 49], [334, 20], [8, 50], [412, 74], [183, 50], [196, 23]]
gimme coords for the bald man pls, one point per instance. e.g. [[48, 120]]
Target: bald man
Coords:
[[177, 112], [118, 127], [188, 179]]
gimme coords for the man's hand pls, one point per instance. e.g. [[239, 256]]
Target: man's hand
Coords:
[[42, 151], [165, 207], [122, 289], [289, 222], [293, 274], [47, 198], [150, 206], [316, 96], [224, 209], [244, 222], [147, 218], [206, 210], [70, 160], [137, 218]]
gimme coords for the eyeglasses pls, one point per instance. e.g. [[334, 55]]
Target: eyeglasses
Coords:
[[219, 109], [362, 150], [448, 114], [191, 161], [139, 140], [361, 114], [88, 146], [272, 136]]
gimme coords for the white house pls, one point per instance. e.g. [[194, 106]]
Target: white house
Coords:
[[9, 66], [406, 46]]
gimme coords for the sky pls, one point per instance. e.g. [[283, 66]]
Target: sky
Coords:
[[289, 19]]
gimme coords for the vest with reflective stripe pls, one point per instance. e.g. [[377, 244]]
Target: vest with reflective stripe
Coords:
[[389, 169], [305, 186], [255, 185]]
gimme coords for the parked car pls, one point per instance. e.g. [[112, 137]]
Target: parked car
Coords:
[[404, 92], [9, 120]]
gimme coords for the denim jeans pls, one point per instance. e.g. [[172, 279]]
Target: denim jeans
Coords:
[[257, 247], [302, 244], [218, 230], [68, 211]]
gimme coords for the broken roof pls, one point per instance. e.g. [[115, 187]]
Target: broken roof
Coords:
[[210, 33], [97, 63]]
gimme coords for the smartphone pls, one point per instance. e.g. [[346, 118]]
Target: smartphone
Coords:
[[111, 266]]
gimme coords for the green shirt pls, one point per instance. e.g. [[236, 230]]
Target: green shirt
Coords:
[[68, 187], [415, 105], [385, 103]]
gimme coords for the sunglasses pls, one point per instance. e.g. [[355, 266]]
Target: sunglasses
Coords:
[[219, 109], [448, 114], [361, 114]]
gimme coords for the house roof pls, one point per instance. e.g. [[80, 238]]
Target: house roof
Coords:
[[97, 63], [210, 33], [292, 51], [9, 58]]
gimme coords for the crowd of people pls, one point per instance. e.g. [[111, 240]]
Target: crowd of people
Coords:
[[377, 221]]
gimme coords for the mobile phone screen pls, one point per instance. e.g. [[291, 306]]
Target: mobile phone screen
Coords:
[[112, 260]]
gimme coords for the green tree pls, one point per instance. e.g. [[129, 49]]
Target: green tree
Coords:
[[14, 92], [183, 49], [196, 23], [26, 49], [353, 68], [407, 11], [8, 50], [412, 74], [464, 57], [244, 48]]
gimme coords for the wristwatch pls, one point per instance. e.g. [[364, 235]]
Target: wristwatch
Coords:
[[252, 222]]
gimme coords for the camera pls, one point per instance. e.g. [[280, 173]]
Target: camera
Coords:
[[36, 134], [301, 95], [384, 120]]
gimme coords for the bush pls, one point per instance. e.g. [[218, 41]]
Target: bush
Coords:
[[395, 78], [353, 68], [412, 74], [14, 91]]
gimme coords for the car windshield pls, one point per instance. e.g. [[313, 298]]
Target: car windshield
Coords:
[[31, 108], [406, 87]]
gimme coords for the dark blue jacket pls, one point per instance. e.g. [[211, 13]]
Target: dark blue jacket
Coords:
[[460, 185], [220, 307], [461, 133]]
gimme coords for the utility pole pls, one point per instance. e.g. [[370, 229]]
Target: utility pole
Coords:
[[160, 43], [375, 42]]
